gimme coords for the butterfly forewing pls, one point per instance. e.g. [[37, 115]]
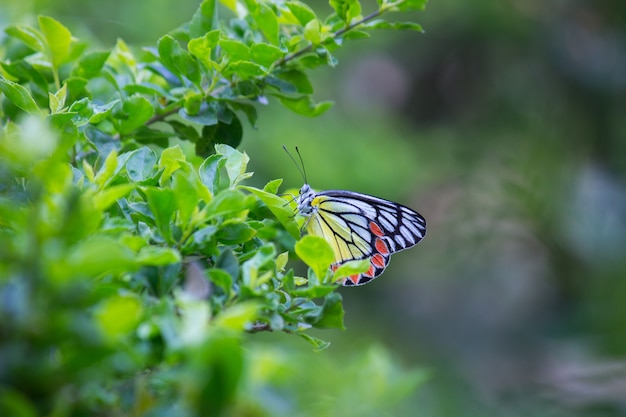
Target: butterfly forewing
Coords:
[[360, 226]]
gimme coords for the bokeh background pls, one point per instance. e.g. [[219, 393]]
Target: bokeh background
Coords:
[[505, 126]]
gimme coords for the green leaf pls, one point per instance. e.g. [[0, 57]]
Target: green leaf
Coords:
[[317, 343], [236, 163], [235, 233], [351, 268], [226, 202], [281, 261], [90, 64], [186, 198], [157, 256], [140, 165], [279, 208], [32, 38], [210, 172], [57, 100], [104, 199], [316, 253], [224, 133], [162, 203], [383, 24], [245, 69], [301, 11], [202, 47], [207, 115], [251, 270], [177, 60], [332, 313], [298, 79], [96, 256], [317, 291], [107, 170], [58, 39], [346, 9], [184, 131], [220, 278], [239, 316], [136, 112], [118, 316], [312, 32], [16, 403], [305, 105], [411, 5], [172, 159], [204, 19], [235, 50], [265, 54], [267, 21], [19, 96]]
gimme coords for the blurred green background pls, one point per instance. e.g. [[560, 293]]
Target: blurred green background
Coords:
[[505, 126]]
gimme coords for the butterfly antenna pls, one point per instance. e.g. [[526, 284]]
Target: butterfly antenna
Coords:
[[301, 166]]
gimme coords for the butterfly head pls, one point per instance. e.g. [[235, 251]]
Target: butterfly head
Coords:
[[305, 197]]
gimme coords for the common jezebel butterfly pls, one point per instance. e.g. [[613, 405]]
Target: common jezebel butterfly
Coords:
[[358, 226]]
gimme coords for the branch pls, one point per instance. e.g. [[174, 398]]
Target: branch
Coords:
[[338, 33]]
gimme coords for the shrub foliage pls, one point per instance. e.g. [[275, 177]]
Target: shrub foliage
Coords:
[[132, 258]]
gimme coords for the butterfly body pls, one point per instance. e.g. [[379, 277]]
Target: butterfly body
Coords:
[[360, 226]]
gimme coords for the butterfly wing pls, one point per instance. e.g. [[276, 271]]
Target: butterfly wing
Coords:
[[359, 226]]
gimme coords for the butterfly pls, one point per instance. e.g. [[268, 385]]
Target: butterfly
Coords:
[[358, 226]]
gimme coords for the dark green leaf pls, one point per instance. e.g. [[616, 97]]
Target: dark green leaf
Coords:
[[332, 313], [136, 112], [145, 135], [184, 131], [298, 79], [229, 263], [248, 109], [235, 233]]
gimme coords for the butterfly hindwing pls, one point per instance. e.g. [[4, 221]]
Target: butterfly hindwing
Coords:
[[359, 226]]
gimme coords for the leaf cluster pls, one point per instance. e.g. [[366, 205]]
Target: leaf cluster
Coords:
[[129, 262]]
